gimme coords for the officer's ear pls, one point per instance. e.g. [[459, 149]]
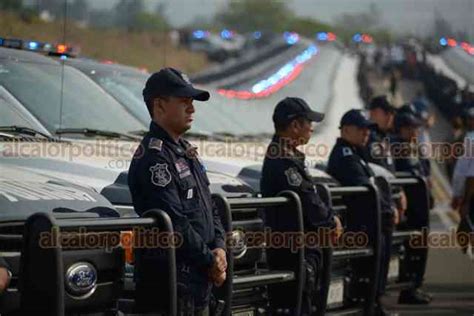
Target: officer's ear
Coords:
[[158, 106]]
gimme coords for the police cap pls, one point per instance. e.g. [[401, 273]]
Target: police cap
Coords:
[[381, 102], [356, 118], [290, 108], [172, 83], [406, 119]]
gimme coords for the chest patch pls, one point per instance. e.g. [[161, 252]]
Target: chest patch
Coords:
[[293, 177], [160, 175], [183, 168]]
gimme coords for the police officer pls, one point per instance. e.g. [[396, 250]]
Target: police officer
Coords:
[[407, 159], [382, 113], [166, 173], [284, 169], [349, 165], [5, 275], [464, 167]]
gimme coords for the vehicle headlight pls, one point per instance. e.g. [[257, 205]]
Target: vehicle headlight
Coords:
[[239, 244]]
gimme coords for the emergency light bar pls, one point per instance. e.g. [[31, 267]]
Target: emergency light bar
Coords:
[[36, 46]]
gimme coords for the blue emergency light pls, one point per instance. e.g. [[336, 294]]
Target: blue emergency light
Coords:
[[357, 38]]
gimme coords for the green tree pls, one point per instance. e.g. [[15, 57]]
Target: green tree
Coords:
[[10, 5], [251, 15], [145, 21], [308, 26], [127, 13]]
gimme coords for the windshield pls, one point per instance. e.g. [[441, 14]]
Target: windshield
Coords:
[[127, 89], [62, 97], [11, 116]]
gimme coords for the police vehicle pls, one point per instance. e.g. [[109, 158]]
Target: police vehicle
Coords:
[[250, 263]]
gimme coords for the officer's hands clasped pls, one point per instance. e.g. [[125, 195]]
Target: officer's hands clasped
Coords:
[[217, 273]]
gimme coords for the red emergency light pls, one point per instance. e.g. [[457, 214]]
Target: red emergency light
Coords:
[[331, 37], [452, 42]]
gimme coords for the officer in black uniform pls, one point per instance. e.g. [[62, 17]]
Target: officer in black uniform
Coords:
[[284, 169], [5, 275], [348, 164], [407, 159], [382, 113], [166, 173]]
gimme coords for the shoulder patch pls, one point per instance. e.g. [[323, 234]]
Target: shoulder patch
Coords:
[[160, 175], [346, 151], [155, 143], [293, 177]]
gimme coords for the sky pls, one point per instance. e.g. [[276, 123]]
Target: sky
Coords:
[[398, 15]]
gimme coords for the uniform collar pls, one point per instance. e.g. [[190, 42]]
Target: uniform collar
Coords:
[[286, 150], [159, 132], [345, 143], [355, 149]]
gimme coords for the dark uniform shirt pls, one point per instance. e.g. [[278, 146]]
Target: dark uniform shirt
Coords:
[[378, 150], [3, 263], [168, 175], [350, 167], [407, 157], [284, 169]]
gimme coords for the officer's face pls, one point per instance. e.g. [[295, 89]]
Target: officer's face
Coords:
[[383, 119], [303, 129], [175, 113], [409, 133], [357, 136]]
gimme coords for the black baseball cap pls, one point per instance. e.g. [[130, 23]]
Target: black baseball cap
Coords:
[[172, 83], [381, 102], [408, 108], [356, 118], [291, 107], [406, 119]]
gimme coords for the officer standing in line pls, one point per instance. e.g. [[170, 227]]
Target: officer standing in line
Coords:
[[382, 113], [348, 164], [5, 275], [167, 174], [407, 128], [284, 169]]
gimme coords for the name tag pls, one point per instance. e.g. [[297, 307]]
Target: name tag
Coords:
[[190, 194]]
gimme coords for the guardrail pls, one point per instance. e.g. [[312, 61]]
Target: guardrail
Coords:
[[55, 280], [283, 278], [362, 214]]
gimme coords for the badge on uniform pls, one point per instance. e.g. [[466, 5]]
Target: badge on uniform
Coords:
[[183, 168], [160, 175], [346, 151], [294, 177], [155, 143]]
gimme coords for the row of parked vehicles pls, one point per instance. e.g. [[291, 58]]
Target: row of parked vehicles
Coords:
[[53, 111]]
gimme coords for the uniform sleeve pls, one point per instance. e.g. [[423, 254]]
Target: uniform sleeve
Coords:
[[219, 241], [165, 196], [3, 264], [315, 212], [459, 176]]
